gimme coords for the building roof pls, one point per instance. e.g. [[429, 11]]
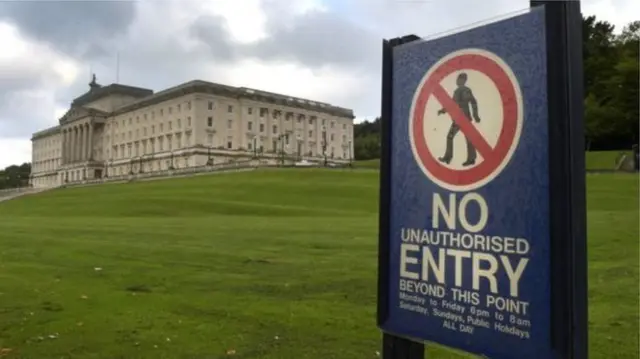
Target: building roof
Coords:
[[199, 86], [97, 92], [44, 133], [147, 98]]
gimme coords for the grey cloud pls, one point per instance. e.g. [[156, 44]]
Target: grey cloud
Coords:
[[211, 32], [75, 27], [317, 39], [21, 114]]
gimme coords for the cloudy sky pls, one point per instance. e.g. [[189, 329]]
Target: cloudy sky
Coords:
[[328, 50]]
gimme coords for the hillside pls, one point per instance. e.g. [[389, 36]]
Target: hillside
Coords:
[[269, 264]]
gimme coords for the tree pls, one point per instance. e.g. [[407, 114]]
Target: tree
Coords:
[[366, 137], [15, 176]]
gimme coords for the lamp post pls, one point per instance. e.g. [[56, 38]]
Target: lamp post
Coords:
[[209, 159], [324, 144], [255, 147]]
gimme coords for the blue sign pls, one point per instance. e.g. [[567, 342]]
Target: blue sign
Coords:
[[469, 233]]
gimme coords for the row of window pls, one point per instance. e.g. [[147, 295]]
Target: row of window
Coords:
[[147, 147], [145, 116], [274, 128]]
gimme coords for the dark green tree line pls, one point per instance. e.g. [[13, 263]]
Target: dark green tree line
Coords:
[[15, 176], [611, 83]]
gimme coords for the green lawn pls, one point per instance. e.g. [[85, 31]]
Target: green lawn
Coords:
[[595, 160], [272, 264]]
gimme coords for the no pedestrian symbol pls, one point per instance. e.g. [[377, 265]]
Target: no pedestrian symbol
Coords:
[[466, 119]]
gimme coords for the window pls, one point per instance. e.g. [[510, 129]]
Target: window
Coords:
[[311, 121], [170, 110], [210, 139], [161, 112], [323, 121], [310, 133], [179, 123], [229, 143], [130, 134], [249, 111], [169, 125], [230, 109], [153, 129], [262, 127], [210, 121], [130, 120], [137, 133], [344, 126], [250, 146], [161, 127], [344, 138], [229, 124], [210, 105], [153, 114], [332, 124], [179, 107], [169, 143], [249, 125], [145, 116], [275, 129], [137, 119], [332, 137], [188, 121], [179, 142], [188, 105]]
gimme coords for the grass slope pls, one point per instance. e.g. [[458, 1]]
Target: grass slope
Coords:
[[270, 264], [595, 160]]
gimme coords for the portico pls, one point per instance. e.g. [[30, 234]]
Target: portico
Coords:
[[77, 142]]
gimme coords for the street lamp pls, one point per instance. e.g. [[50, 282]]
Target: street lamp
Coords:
[[209, 159], [324, 144], [255, 147]]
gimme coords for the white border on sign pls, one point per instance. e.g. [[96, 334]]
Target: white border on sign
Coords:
[[519, 119]]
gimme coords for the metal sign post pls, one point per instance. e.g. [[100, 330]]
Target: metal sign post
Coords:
[[482, 191]]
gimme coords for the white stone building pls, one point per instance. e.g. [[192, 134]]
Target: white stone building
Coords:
[[119, 130]]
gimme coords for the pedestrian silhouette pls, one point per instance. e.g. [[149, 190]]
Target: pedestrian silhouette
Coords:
[[463, 97]]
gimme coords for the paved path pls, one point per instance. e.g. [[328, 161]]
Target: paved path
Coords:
[[20, 194]]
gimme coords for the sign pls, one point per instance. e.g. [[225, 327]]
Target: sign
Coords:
[[475, 78], [468, 248]]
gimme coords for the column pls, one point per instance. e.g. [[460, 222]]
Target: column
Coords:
[[83, 145], [90, 152], [69, 140], [70, 149], [64, 141], [76, 136], [79, 145]]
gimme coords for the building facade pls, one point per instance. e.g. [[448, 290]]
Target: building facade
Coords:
[[117, 130]]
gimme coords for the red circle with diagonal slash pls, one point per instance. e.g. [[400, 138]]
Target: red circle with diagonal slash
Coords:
[[492, 158]]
